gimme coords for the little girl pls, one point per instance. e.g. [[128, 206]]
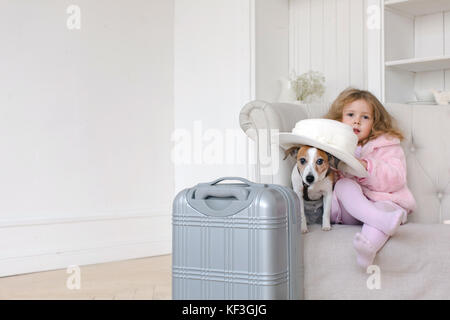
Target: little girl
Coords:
[[382, 200]]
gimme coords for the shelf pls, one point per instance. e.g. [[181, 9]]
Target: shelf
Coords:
[[421, 64], [418, 7]]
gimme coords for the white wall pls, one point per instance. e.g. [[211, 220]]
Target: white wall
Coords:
[[214, 78], [330, 36], [271, 47], [85, 123]]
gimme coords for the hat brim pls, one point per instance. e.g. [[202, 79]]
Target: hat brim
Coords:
[[288, 140]]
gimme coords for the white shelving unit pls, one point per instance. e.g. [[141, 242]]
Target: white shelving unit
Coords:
[[420, 64], [416, 47], [418, 7]]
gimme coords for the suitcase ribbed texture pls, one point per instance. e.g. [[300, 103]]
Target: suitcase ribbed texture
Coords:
[[251, 251]]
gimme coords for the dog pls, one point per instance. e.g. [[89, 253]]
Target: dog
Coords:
[[313, 177]]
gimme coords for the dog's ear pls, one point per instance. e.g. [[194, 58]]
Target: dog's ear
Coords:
[[333, 161], [291, 151]]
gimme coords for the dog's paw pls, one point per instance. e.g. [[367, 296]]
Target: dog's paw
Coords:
[[326, 228], [304, 227]]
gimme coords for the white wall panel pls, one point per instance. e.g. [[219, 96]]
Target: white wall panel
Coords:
[[303, 39], [447, 33], [343, 44], [329, 36], [429, 35], [399, 44], [212, 82], [356, 43], [330, 44], [317, 34], [271, 47], [374, 50]]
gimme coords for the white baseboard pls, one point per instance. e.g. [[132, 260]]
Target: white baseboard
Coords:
[[49, 244]]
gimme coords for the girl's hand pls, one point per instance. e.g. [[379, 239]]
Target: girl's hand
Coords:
[[364, 163], [340, 175], [338, 170]]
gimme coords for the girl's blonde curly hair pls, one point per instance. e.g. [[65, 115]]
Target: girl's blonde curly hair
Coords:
[[383, 122]]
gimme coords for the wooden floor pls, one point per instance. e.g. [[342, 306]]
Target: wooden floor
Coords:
[[148, 278]]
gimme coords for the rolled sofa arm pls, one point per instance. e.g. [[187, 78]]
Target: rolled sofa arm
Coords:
[[258, 114], [260, 120]]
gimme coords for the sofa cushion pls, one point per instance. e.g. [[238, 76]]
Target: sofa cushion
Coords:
[[427, 155], [413, 264]]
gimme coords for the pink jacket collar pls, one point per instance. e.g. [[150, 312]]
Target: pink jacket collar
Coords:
[[382, 141]]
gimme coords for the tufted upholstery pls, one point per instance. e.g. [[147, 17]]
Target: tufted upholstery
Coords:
[[427, 148]]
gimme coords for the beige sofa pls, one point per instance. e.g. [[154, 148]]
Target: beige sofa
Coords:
[[415, 262]]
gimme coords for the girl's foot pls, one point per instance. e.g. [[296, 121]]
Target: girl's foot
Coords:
[[365, 252], [394, 222], [395, 216]]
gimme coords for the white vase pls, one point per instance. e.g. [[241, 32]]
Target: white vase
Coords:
[[288, 92]]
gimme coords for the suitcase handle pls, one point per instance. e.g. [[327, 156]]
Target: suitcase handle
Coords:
[[231, 178], [237, 193], [230, 199]]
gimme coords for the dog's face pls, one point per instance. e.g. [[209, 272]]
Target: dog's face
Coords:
[[312, 163]]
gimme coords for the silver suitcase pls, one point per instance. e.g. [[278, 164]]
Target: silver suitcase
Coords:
[[236, 241]]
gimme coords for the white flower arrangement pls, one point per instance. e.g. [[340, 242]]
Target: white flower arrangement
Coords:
[[310, 85]]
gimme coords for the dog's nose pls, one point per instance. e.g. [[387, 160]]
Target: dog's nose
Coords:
[[310, 179]]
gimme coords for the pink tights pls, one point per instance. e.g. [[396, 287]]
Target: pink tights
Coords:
[[380, 219]]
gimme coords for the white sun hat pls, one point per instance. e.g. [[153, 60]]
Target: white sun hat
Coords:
[[334, 137]]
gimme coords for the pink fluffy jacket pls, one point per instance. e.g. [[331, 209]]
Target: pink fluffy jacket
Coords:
[[386, 166]]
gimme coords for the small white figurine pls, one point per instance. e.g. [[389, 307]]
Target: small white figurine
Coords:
[[441, 97]]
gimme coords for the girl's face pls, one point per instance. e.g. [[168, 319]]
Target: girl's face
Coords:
[[359, 116]]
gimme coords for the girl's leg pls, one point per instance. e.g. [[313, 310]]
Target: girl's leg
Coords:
[[367, 244], [339, 214], [352, 199]]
